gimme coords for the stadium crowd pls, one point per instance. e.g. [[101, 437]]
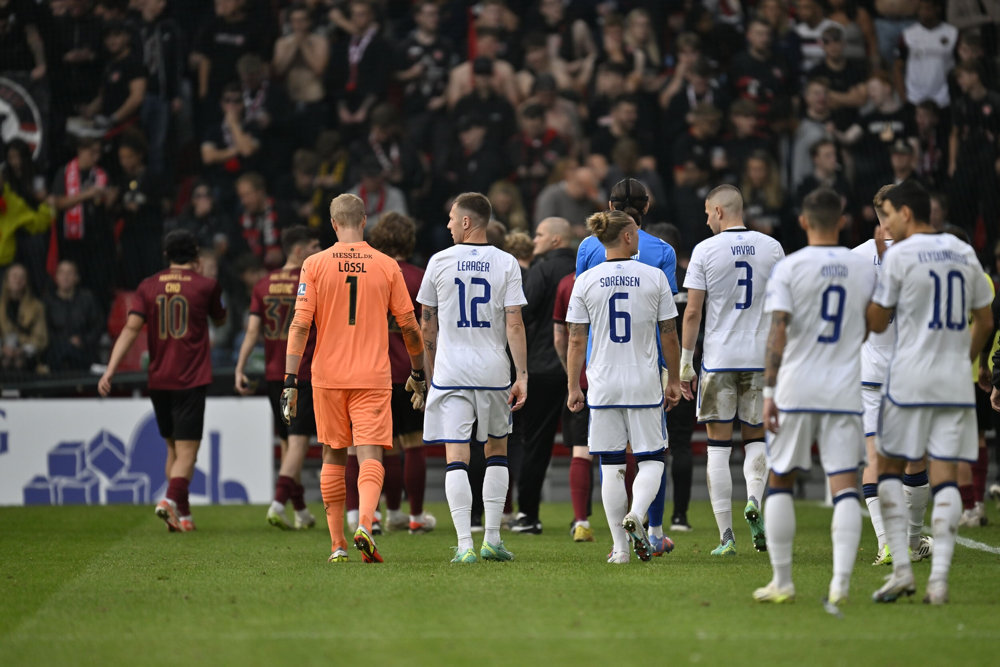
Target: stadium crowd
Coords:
[[243, 117]]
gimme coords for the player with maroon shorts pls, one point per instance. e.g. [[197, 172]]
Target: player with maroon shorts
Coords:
[[272, 305], [175, 304]]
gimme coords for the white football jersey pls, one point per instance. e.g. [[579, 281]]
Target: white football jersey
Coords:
[[732, 268], [622, 301], [470, 285], [826, 291], [933, 281], [877, 349]]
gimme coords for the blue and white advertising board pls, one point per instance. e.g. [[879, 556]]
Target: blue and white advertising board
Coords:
[[95, 452]]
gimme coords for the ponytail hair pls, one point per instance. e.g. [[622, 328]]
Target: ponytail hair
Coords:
[[607, 226], [630, 196]]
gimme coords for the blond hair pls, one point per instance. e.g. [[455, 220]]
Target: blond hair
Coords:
[[880, 195], [520, 245], [348, 210], [607, 226]]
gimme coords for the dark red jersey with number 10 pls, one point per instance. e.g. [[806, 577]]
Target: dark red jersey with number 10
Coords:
[[176, 304], [273, 300]]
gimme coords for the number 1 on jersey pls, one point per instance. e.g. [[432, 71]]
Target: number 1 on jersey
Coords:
[[352, 313]]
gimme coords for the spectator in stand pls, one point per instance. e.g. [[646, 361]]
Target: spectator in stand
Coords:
[[974, 162], [21, 45], [641, 40], [502, 79], [378, 195], [567, 37], [260, 220], [162, 51], [425, 58], [785, 43], [75, 57], [970, 49], [211, 227], [508, 208], [267, 113], [759, 75], [860, 41], [688, 48], [300, 60], [561, 114], [23, 334], [892, 18], [230, 34], [691, 185], [84, 198], [701, 87], [296, 191], [141, 212], [847, 93], [765, 206], [401, 164], [826, 173], [624, 123], [496, 17], [74, 322], [25, 214], [534, 153], [538, 61], [926, 55], [473, 165], [939, 214], [230, 147], [626, 164], [702, 140], [902, 157], [614, 55], [870, 138], [485, 102], [743, 139], [811, 26], [359, 70], [123, 87], [815, 124], [932, 146], [574, 199], [609, 85]]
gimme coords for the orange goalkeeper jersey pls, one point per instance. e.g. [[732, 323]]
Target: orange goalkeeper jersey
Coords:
[[348, 290]]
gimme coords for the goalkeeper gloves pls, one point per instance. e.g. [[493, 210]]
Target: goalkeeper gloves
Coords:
[[417, 385], [687, 365], [289, 399]]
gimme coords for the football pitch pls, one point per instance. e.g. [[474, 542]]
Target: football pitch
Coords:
[[109, 586]]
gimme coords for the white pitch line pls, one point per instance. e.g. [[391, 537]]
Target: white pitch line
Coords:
[[972, 544]]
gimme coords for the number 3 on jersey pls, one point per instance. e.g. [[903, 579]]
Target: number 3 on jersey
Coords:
[[463, 321], [746, 282]]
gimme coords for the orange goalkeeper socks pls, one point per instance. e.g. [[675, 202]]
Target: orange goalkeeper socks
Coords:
[[370, 478], [334, 490]]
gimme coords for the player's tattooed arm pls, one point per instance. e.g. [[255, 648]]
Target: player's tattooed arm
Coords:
[[776, 339], [577, 329], [668, 326], [429, 330]]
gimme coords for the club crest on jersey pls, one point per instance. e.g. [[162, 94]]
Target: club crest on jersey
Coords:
[[302, 289]]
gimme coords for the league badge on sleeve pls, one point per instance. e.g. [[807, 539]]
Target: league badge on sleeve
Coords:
[[302, 289]]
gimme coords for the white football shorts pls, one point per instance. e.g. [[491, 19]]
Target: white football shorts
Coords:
[[612, 428], [947, 433], [839, 438], [871, 401], [450, 414], [723, 397]]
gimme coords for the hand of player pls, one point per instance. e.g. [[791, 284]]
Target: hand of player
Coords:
[[985, 380], [770, 415], [518, 394], [576, 401], [243, 385], [289, 399], [417, 385], [995, 399], [672, 395], [688, 389], [104, 385]]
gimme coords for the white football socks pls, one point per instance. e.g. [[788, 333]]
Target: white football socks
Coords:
[[944, 523], [645, 486], [495, 483], [720, 487], [845, 532], [917, 499], [780, 532], [875, 513], [755, 470], [890, 493], [458, 491], [615, 501]]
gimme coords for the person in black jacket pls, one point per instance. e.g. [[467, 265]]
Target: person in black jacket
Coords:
[[74, 322], [537, 421]]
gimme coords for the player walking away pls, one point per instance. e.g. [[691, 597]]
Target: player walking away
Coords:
[[395, 235], [729, 272], [574, 424], [875, 353], [630, 308], [272, 305], [175, 304], [471, 296], [932, 280], [347, 291], [631, 196], [817, 299]]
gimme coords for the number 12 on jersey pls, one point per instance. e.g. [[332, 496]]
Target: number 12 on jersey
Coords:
[[463, 320]]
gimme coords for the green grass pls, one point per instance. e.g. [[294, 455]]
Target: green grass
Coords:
[[109, 586]]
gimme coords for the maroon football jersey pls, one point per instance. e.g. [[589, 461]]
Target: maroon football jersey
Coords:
[[273, 300], [399, 358], [563, 292], [176, 304]]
